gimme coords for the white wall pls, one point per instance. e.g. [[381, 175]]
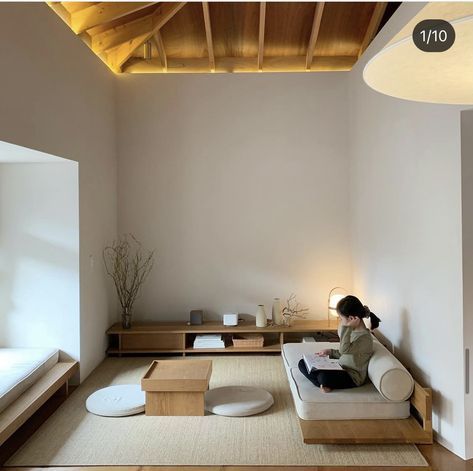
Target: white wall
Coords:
[[39, 256], [407, 233], [57, 97], [240, 183], [467, 213]]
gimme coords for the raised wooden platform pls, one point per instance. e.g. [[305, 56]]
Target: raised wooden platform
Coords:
[[408, 430], [17, 413]]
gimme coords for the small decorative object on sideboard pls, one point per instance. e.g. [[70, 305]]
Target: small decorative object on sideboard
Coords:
[[129, 267], [261, 319], [230, 319], [196, 317], [276, 315], [293, 310]]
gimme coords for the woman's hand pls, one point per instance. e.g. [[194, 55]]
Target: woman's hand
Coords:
[[353, 321], [350, 321], [324, 353]]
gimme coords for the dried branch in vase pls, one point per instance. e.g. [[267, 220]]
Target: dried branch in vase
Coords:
[[128, 266], [293, 310]]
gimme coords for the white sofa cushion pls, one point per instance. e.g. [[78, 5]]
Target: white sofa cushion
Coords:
[[20, 368], [364, 402], [389, 375]]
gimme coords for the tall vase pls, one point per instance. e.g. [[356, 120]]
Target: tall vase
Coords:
[[126, 318], [261, 320], [276, 313]]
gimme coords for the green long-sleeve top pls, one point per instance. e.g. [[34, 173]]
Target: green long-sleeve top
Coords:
[[354, 353]]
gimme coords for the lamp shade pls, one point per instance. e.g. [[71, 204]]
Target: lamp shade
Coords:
[[335, 295], [402, 70], [334, 299]]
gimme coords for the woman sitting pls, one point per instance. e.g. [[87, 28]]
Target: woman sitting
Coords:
[[354, 353]]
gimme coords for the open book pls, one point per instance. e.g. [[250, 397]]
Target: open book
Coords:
[[314, 362]]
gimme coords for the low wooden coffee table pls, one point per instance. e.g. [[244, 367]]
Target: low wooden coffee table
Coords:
[[176, 387]]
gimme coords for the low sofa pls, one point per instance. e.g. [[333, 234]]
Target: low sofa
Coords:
[[379, 411]]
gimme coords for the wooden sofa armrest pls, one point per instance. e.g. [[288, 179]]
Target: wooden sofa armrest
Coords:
[[421, 401]]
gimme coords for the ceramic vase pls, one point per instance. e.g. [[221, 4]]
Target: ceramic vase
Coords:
[[276, 314], [261, 320], [126, 318]]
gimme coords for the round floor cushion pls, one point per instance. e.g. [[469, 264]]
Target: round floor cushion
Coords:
[[238, 401], [117, 401]]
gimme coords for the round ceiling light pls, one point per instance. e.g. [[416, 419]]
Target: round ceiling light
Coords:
[[402, 70]]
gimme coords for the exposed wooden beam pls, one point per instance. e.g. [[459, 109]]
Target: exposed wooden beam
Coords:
[[118, 56], [61, 12], [373, 26], [262, 23], [72, 7], [208, 35], [118, 35], [103, 12], [240, 64], [319, 10], [161, 51]]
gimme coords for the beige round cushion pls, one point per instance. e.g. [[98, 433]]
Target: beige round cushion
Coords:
[[389, 375], [117, 401], [238, 401]]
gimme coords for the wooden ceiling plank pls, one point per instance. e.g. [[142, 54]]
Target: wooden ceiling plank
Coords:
[[103, 12], [373, 25], [118, 35], [60, 11], [118, 56], [161, 51], [72, 7], [262, 25], [319, 10], [208, 35]]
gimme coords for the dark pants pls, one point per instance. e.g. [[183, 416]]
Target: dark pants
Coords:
[[333, 379]]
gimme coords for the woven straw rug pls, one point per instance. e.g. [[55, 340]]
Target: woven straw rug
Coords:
[[73, 437]]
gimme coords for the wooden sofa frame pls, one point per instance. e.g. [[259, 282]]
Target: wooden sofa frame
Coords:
[[19, 411], [410, 430]]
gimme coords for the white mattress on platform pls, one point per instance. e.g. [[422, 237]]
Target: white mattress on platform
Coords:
[[20, 368]]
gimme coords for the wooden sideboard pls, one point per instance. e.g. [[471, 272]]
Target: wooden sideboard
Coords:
[[178, 337]]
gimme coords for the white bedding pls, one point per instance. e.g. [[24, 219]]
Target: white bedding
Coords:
[[20, 368]]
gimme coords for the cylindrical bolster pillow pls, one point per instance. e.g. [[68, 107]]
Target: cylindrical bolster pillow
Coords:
[[388, 375]]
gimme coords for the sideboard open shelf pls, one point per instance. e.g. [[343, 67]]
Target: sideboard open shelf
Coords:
[[178, 337]]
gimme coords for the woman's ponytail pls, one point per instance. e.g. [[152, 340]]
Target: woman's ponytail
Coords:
[[374, 319]]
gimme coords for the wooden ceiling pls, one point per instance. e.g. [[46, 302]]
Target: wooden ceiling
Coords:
[[203, 37]]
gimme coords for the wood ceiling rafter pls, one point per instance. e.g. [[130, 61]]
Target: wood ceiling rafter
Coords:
[[103, 12], [233, 37], [161, 51], [208, 35], [319, 11], [120, 54], [373, 26], [262, 26]]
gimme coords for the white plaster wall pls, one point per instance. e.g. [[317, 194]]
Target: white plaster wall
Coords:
[[57, 97], [39, 256], [240, 183], [407, 233]]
